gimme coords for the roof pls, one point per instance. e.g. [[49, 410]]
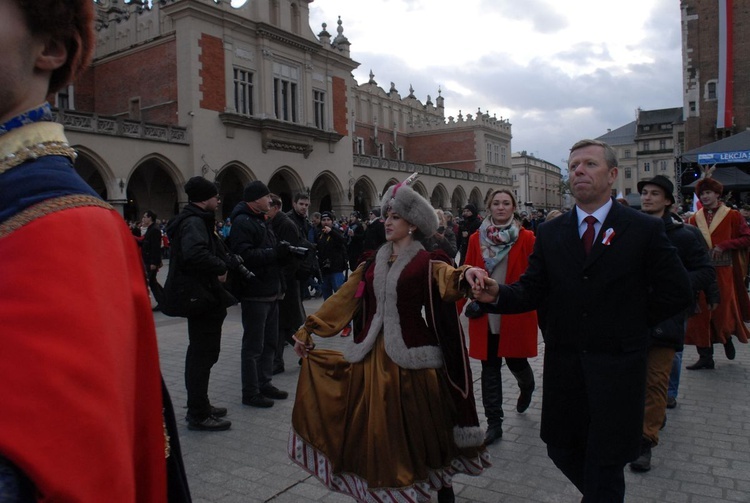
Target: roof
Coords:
[[734, 143], [730, 177], [661, 116], [623, 135]]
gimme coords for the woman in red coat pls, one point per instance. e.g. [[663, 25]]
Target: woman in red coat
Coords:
[[502, 247]]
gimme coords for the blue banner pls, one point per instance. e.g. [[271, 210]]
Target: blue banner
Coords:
[[724, 157]]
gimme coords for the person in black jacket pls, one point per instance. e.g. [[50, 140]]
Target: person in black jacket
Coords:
[[468, 226], [196, 263], [251, 237], [331, 254], [151, 254], [291, 310], [355, 234], [668, 337], [374, 231]]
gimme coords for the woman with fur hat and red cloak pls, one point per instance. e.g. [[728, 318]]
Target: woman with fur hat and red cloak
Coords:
[[728, 239], [394, 416]]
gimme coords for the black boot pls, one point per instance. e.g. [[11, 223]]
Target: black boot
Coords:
[[527, 385], [643, 463], [729, 349], [492, 400], [705, 359], [446, 495]]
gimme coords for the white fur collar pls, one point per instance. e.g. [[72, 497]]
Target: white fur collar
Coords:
[[387, 317]]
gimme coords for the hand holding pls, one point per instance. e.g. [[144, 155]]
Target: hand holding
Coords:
[[223, 278], [301, 348]]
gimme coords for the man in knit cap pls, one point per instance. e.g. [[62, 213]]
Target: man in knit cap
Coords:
[[728, 238], [253, 239], [196, 271]]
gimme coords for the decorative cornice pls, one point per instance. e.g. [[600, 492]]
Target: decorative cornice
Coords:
[[278, 135]]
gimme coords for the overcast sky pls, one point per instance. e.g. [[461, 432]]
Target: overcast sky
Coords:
[[559, 70]]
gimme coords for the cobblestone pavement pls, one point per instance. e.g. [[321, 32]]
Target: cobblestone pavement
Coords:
[[703, 455]]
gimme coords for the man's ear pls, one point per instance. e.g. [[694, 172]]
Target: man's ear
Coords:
[[53, 55]]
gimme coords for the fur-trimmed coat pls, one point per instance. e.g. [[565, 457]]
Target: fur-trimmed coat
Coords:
[[391, 298]]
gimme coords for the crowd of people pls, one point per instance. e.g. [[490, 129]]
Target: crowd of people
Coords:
[[616, 294]]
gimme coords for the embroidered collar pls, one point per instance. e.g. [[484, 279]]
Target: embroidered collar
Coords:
[[32, 141], [40, 113]]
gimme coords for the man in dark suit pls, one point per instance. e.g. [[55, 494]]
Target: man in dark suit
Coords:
[[596, 307], [151, 253]]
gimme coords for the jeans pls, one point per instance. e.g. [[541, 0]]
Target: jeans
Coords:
[[674, 375], [204, 334], [260, 324], [331, 283]]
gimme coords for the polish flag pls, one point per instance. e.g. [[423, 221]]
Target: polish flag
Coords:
[[724, 90]]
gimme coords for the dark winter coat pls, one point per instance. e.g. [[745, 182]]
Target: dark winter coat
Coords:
[[291, 310], [151, 247], [332, 251], [251, 238], [374, 235], [692, 250]]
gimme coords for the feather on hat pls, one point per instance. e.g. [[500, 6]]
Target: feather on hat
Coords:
[[706, 182]]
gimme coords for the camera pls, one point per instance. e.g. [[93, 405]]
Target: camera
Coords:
[[297, 251], [235, 263]]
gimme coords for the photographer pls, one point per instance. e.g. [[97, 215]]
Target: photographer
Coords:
[[331, 255], [291, 311], [196, 269], [251, 237]]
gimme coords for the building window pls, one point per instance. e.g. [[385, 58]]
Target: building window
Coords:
[[381, 149], [496, 154], [489, 153], [360, 146], [401, 154], [64, 98], [691, 105], [628, 191], [503, 157], [647, 167], [319, 104], [662, 144], [647, 128], [663, 166], [285, 97], [134, 108], [645, 146], [627, 154], [627, 173], [243, 91], [711, 91]]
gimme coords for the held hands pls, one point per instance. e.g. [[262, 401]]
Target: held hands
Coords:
[[716, 253], [301, 348], [483, 288]]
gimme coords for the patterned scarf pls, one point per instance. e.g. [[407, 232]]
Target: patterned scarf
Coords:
[[40, 113], [495, 241]]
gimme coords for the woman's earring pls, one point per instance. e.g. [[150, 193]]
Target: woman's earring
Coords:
[[409, 231]]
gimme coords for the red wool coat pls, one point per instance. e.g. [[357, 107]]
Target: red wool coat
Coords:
[[518, 332]]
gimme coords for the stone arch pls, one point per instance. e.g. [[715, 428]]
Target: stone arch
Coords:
[[96, 172], [458, 200], [285, 182], [155, 183], [388, 184], [420, 189], [439, 197], [365, 196], [476, 198], [326, 194], [232, 179]]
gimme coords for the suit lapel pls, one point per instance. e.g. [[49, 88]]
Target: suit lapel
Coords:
[[569, 240], [612, 228]]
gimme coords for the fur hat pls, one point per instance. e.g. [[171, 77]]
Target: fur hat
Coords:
[[254, 191], [414, 208], [660, 181], [199, 189], [709, 184]]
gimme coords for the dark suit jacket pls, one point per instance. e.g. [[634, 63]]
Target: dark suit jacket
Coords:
[[597, 311]]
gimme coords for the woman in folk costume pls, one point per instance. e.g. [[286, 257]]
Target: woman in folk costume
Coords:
[[502, 247], [728, 238], [394, 416]]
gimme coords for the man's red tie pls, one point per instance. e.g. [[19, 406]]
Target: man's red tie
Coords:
[[588, 234]]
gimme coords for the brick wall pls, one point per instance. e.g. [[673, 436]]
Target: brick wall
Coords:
[[339, 106], [150, 74], [443, 148], [212, 73]]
